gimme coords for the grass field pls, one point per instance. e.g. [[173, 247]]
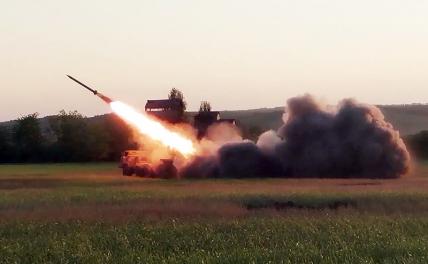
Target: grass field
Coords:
[[89, 213]]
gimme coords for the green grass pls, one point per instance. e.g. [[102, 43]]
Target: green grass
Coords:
[[40, 170], [327, 239], [89, 213]]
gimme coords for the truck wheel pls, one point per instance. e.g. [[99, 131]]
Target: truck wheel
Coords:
[[173, 173], [167, 172], [140, 172], [127, 171]]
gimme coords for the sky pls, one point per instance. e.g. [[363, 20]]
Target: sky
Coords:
[[236, 54]]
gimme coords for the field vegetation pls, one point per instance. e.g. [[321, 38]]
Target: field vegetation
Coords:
[[67, 213]]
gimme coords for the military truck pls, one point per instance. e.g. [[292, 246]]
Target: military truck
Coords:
[[136, 162]]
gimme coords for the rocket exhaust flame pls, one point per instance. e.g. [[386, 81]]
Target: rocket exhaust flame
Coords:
[[153, 129], [146, 125]]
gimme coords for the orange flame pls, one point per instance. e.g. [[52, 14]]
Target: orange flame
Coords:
[[153, 129]]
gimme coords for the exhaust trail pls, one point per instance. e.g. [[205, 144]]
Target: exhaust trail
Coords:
[[146, 125]]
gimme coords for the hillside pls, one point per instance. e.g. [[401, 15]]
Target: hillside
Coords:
[[408, 119]]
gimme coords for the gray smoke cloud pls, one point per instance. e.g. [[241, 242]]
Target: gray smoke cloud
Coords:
[[352, 141]]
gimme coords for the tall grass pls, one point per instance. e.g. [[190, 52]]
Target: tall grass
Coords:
[[255, 240]]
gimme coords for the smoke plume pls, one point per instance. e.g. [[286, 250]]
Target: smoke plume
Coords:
[[314, 141]]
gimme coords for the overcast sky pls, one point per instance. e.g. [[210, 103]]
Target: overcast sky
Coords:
[[237, 54]]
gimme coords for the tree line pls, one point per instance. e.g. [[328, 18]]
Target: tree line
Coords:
[[71, 137], [418, 144], [67, 137]]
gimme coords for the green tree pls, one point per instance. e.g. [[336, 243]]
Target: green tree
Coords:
[[120, 136], [7, 152], [177, 94], [205, 107], [76, 140], [97, 142], [27, 138], [418, 144]]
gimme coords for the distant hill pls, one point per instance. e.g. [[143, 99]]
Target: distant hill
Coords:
[[408, 119], [265, 118]]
